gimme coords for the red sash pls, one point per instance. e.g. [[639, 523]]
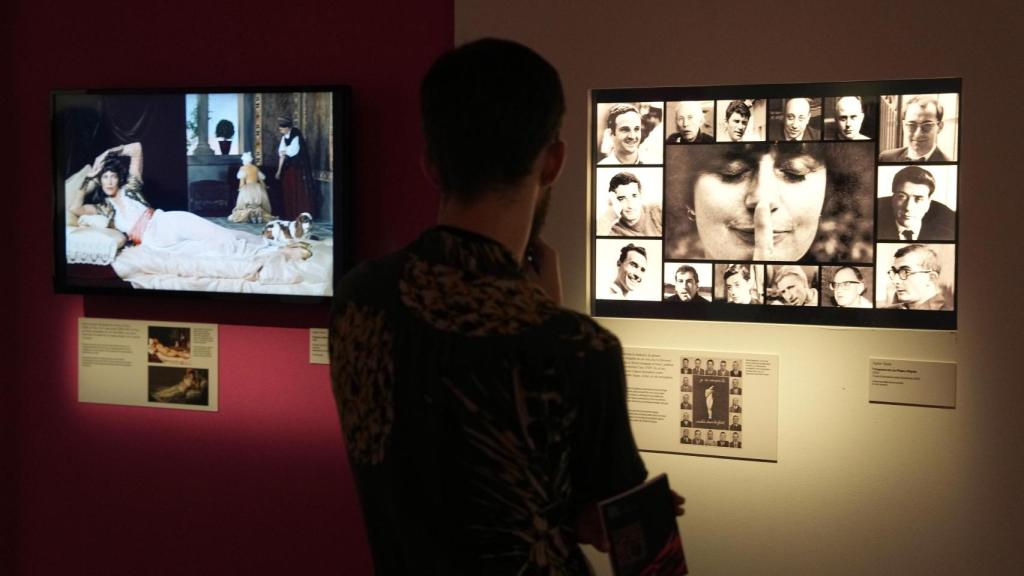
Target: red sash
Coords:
[[140, 226]]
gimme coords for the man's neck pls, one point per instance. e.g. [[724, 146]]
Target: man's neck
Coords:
[[913, 155], [504, 216]]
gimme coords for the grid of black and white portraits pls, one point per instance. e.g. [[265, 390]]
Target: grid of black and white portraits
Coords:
[[711, 402], [830, 203]]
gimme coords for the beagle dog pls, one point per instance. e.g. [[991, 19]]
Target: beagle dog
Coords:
[[285, 231]]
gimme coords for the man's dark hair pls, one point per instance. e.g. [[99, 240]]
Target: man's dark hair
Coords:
[[929, 259], [618, 110], [913, 175], [622, 179], [626, 250], [687, 268], [489, 108], [737, 107]]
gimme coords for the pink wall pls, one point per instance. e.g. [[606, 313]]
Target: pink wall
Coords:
[[261, 487]]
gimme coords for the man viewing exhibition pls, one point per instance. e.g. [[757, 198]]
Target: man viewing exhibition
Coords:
[[481, 436]]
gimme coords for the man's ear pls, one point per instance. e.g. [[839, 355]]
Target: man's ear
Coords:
[[430, 171], [552, 161]]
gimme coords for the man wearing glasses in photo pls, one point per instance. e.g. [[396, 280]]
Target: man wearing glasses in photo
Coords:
[[922, 122], [914, 280], [848, 288]]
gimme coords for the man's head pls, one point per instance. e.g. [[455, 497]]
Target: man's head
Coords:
[[696, 433], [711, 364], [912, 189], [922, 122], [914, 274], [849, 117], [686, 432], [686, 282], [735, 364], [486, 95], [284, 125], [686, 364], [847, 286], [686, 379], [792, 284], [735, 419], [737, 116], [686, 397], [632, 265], [735, 436], [721, 365], [626, 197], [626, 128], [735, 381], [689, 119], [797, 114]]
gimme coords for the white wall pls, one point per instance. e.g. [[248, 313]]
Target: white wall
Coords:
[[858, 488]]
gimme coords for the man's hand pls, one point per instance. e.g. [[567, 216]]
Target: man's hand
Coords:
[[541, 266]]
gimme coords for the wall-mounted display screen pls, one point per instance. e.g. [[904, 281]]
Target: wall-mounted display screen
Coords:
[[238, 191], [827, 203]]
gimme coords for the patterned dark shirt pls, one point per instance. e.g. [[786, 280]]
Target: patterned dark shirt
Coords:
[[478, 415]]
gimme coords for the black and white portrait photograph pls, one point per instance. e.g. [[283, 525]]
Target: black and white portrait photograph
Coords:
[[169, 385], [735, 440], [784, 202], [917, 203], [735, 386], [915, 276], [631, 133], [629, 201], [169, 344], [792, 285], [690, 122], [628, 269], [739, 283], [741, 120], [851, 118], [688, 283], [794, 119], [847, 286], [918, 128], [736, 423]]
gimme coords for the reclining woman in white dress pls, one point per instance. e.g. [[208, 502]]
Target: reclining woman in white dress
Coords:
[[112, 191]]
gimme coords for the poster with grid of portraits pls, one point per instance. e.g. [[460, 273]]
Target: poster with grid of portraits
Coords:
[[823, 203], [709, 403]]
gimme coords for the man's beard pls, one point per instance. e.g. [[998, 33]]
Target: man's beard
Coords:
[[540, 213]]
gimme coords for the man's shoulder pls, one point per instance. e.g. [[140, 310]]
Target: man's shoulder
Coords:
[[893, 155]]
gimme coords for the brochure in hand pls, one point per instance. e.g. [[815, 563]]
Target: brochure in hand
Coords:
[[642, 533]]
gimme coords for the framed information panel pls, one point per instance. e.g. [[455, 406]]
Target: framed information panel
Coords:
[[824, 203]]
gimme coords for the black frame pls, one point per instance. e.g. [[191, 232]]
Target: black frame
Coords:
[[341, 202], [720, 311]]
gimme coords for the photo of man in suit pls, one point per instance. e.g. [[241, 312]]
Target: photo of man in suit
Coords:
[[910, 214], [736, 406], [686, 438], [697, 439], [922, 123], [685, 405], [736, 441], [737, 388], [685, 387], [735, 425], [721, 369], [710, 368], [686, 367], [722, 441], [796, 121], [686, 422], [735, 372]]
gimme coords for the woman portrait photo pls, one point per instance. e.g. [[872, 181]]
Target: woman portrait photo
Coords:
[[779, 202]]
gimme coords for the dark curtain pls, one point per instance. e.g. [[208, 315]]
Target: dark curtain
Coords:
[[87, 124]]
